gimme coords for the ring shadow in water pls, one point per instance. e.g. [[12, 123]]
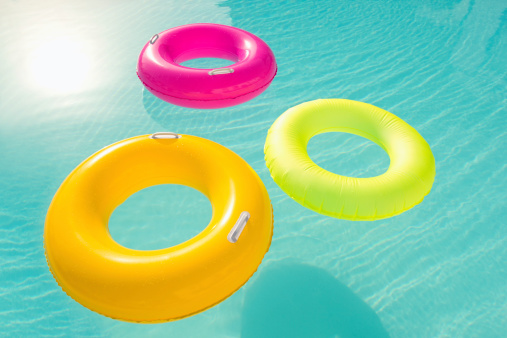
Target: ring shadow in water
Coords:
[[164, 113], [297, 300], [184, 120]]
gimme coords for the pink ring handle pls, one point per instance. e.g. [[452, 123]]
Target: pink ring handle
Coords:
[[159, 66]]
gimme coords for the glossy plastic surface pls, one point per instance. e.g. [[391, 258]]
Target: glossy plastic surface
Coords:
[[405, 183], [166, 284], [160, 71]]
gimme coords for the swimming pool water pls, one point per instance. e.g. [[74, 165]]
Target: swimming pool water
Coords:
[[69, 88]]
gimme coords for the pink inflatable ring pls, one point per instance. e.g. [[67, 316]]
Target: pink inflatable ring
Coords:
[[160, 71]]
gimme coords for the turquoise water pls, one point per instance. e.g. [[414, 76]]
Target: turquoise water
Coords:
[[69, 88]]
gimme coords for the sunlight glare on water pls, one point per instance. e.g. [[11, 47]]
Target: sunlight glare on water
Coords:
[[60, 65]]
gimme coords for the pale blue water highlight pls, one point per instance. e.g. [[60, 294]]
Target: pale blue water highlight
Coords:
[[437, 270]]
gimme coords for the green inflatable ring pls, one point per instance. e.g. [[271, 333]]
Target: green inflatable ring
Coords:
[[405, 183]]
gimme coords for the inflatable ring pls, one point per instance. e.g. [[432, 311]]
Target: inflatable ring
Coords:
[[166, 284], [160, 71], [405, 183]]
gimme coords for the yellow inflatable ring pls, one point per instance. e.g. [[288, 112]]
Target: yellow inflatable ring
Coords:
[[166, 284], [405, 183]]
